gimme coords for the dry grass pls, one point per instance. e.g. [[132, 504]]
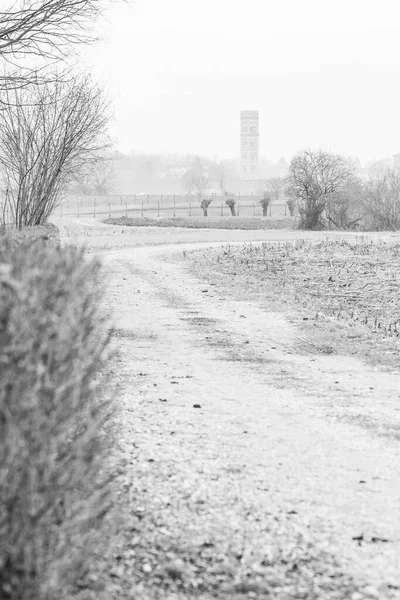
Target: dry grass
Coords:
[[356, 283], [247, 223], [53, 340]]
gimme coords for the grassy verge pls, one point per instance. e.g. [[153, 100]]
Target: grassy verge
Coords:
[[53, 343], [48, 233], [348, 290], [247, 223]]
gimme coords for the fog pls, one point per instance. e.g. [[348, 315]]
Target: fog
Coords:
[[321, 74]]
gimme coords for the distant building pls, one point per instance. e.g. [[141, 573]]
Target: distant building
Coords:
[[249, 144]]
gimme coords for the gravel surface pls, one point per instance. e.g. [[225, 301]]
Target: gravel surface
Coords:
[[246, 466]]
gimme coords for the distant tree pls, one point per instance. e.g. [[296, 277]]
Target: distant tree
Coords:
[[231, 202], [313, 176], [274, 187], [97, 177], [197, 184], [205, 203], [265, 202]]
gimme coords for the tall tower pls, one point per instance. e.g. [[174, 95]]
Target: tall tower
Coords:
[[249, 134]]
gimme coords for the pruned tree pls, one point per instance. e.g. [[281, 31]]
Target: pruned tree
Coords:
[[47, 134], [205, 203], [265, 202], [230, 201], [40, 32], [313, 176]]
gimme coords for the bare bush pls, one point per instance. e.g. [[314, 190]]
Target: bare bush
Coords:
[[381, 200], [53, 341], [344, 208], [47, 135], [313, 176]]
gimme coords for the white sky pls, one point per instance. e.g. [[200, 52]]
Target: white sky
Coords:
[[321, 73]]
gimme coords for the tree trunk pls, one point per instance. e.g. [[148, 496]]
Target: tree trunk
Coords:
[[233, 211], [265, 211], [205, 211]]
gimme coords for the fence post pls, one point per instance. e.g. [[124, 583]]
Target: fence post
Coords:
[[78, 209], [158, 208], [222, 209], [190, 209], [174, 205], [270, 210], [142, 210], [285, 209], [254, 210], [238, 209]]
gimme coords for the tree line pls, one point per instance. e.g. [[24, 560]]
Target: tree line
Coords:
[[327, 193]]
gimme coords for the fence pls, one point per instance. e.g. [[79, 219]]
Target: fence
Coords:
[[163, 206], [154, 207]]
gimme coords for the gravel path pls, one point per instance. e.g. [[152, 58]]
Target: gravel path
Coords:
[[249, 466]]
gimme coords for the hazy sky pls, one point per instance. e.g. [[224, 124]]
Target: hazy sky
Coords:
[[321, 73]]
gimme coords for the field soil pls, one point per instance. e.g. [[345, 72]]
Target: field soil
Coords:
[[252, 464]]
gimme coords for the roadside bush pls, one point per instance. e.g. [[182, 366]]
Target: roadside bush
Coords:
[[381, 200], [53, 343]]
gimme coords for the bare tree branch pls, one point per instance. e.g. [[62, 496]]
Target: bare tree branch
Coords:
[[47, 134], [36, 34]]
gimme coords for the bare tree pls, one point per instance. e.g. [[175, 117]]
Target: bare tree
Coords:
[[47, 134], [313, 176], [272, 187], [198, 184], [42, 32], [381, 199], [97, 177]]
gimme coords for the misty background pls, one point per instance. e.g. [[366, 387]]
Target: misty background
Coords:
[[179, 72]]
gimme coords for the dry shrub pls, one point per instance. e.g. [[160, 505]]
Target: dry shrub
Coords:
[[381, 200], [53, 342]]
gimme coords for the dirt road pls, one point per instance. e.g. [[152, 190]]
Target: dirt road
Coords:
[[227, 401]]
